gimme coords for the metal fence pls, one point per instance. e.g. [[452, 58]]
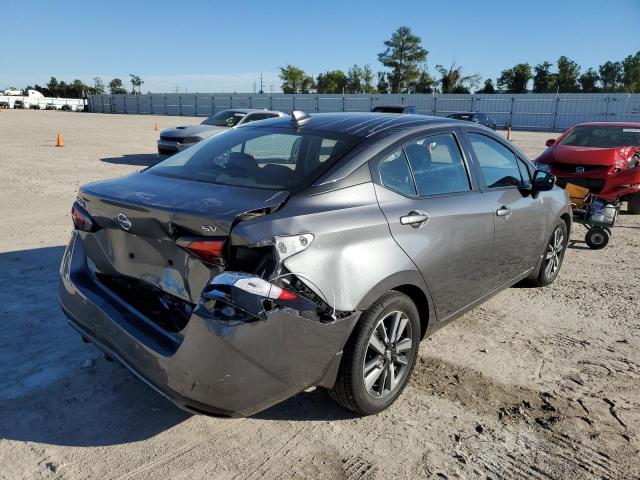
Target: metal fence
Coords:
[[547, 112]]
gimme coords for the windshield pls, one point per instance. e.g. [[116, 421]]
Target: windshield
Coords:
[[602, 136], [272, 159], [226, 118]]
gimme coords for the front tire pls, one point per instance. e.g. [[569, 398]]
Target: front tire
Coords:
[[380, 355], [553, 255]]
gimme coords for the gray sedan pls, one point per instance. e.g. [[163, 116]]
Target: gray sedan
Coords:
[[175, 140], [310, 250]]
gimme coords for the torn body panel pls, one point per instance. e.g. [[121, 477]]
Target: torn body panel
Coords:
[[213, 365], [349, 231]]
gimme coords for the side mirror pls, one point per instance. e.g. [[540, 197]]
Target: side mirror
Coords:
[[542, 181], [550, 142]]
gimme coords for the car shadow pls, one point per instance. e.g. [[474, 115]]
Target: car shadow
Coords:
[[54, 389], [578, 245], [136, 159]]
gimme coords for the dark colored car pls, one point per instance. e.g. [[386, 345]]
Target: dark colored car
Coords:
[[305, 251], [4, 104], [603, 157], [18, 104], [174, 140], [394, 109], [475, 117]]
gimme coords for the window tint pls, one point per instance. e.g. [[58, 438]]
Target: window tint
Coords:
[[498, 164], [395, 173], [257, 157], [525, 172], [437, 165], [257, 116], [226, 118]]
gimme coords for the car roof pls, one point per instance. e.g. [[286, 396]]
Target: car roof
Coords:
[[362, 124], [249, 110]]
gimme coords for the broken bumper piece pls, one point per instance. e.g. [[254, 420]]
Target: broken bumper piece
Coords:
[[223, 364]]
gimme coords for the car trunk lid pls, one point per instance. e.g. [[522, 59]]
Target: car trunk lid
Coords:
[[145, 219]]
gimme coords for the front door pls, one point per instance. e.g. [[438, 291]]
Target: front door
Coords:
[[519, 217], [443, 225]]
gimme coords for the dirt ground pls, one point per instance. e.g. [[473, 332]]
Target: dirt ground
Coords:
[[534, 384]]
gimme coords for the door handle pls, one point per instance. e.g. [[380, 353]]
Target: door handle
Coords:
[[503, 212], [415, 218]]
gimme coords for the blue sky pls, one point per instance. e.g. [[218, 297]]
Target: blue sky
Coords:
[[209, 46]]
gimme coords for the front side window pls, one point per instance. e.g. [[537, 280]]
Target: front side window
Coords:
[[267, 158], [498, 164], [226, 118], [437, 165], [396, 175]]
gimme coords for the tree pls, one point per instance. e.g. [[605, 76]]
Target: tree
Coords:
[[424, 83], [295, 80], [403, 55], [543, 80], [355, 80], [515, 79], [98, 86], [488, 87], [136, 81], [610, 76], [54, 87], [631, 73], [589, 81], [383, 83], [452, 80], [334, 81], [116, 87], [367, 78], [567, 76]]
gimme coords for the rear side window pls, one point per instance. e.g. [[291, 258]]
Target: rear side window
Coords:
[[396, 175], [437, 165], [498, 164]]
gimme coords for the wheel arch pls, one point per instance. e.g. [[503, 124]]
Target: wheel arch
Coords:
[[411, 284]]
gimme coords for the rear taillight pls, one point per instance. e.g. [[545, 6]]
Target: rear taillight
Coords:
[[208, 250], [81, 219]]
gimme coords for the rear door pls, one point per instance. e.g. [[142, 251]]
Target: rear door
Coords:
[[438, 218], [519, 217]]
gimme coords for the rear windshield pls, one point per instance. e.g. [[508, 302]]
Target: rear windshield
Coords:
[[267, 158], [602, 136], [226, 118]]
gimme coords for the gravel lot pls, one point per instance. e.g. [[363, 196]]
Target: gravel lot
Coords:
[[536, 383]]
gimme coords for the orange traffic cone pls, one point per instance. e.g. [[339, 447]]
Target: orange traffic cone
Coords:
[[509, 133], [157, 127], [59, 141]]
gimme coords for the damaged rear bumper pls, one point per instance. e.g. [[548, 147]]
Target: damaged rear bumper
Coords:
[[214, 365]]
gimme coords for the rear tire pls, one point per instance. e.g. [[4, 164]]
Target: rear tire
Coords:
[[377, 363], [553, 255], [633, 203]]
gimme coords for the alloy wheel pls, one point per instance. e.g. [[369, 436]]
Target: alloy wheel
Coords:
[[387, 354], [554, 252]]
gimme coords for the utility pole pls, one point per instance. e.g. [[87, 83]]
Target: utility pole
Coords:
[[261, 85]]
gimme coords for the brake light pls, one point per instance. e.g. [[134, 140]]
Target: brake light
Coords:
[[261, 287], [81, 219], [208, 250]]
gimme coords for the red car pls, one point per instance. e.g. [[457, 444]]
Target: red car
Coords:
[[603, 157]]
